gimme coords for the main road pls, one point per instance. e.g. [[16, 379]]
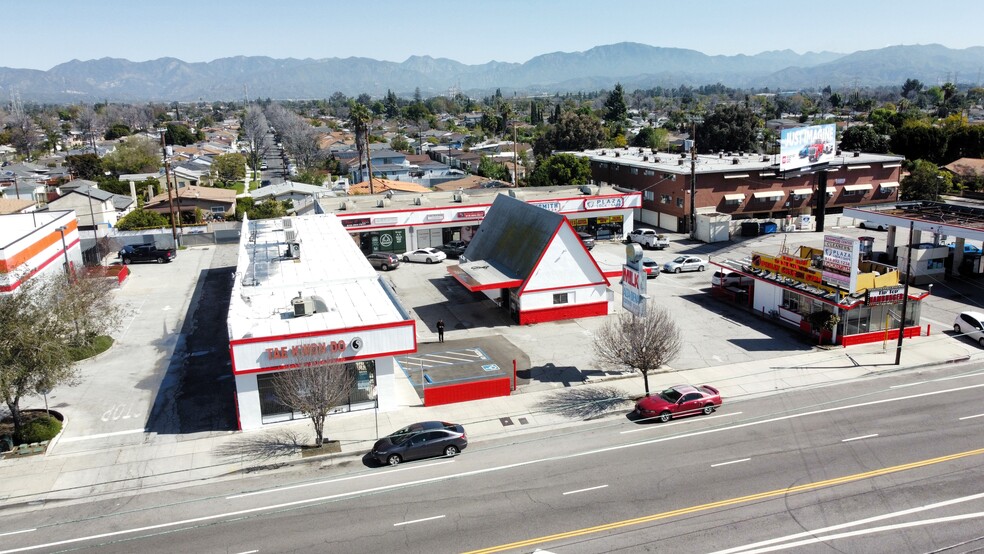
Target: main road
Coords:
[[889, 464]]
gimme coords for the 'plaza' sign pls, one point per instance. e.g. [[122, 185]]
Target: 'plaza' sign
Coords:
[[604, 203]]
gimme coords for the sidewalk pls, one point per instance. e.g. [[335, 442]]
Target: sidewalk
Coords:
[[136, 462]]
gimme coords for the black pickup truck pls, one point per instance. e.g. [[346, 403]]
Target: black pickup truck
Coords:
[[145, 253]]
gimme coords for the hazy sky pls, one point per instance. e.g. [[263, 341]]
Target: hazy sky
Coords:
[[39, 34]]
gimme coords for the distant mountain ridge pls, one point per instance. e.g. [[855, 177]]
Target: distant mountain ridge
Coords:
[[632, 64]]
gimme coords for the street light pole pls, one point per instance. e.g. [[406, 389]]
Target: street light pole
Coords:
[[167, 180], [68, 272], [905, 295]]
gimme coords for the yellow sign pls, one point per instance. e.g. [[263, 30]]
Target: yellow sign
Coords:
[[795, 268]]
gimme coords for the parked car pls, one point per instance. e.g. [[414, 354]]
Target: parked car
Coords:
[[685, 263], [263, 165], [649, 238], [383, 260], [869, 225], [678, 401], [453, 249], [729, 279], [145, 253], [651, 267], [971, 325], [425, 426], [406, 444], [587, 238], [425, 255]]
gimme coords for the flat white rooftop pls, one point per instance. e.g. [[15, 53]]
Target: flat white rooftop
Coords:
[[331, 268]]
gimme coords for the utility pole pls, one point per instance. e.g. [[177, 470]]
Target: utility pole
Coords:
[[693, 180], [515, 157], [167, 180], [905, 295]]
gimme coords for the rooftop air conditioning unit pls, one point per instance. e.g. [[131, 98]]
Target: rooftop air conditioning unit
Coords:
[[288, 223], [293, 250], [680, 161], [382, 202], [857, 154], [291, 235], [735, 161], [303, 306]]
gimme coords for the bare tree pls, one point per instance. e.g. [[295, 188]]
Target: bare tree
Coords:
[[254, 130], [642, 343], [24, 134], [85, 304], [88, 122], [316, 390]]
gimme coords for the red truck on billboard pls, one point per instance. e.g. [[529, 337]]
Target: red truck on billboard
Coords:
[[816, 151]]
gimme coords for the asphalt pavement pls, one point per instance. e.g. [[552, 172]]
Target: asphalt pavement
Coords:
[[560, 386]]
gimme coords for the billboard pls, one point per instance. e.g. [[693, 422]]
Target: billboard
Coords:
[[840, 261], [806, 146]]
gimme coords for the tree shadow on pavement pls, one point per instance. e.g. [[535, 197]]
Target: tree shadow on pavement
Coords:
[[585, 402], [260, 448], [550, 373]]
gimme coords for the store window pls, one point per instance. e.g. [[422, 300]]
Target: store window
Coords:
[[664, 198], [560, 298], [649, 195], [362, 395]]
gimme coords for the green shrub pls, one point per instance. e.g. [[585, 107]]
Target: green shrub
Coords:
[[41, 428]]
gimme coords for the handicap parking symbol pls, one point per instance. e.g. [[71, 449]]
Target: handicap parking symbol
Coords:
[[490, 367]]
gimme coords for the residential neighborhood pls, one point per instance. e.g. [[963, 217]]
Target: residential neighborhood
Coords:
[[494, 320]]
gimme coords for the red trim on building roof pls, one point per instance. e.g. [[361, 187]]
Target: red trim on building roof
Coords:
[[408, 323]]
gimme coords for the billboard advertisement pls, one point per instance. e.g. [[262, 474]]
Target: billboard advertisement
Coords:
[[840, 261], [806, 146]]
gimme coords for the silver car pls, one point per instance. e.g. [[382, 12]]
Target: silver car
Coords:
[[685, 263]]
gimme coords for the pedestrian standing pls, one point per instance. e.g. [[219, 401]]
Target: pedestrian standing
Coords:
[[440, 330]]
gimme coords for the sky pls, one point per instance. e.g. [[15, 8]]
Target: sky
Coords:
[[40, 34]]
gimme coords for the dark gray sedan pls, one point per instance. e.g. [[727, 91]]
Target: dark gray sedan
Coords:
[[422, 444]]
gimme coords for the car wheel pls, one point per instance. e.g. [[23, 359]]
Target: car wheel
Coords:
[[160, 260], [708, 410], [384, 267], [677, 270], [126, 261], [665, 416], [981, 342], [406, 259], [450, 450], [700, 268], [956, 329], [862, 225], [394, 459], [430, 260]]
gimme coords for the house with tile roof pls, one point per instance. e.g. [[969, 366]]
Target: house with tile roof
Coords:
[[210, 200]]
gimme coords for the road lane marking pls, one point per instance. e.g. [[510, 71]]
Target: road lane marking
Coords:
[[908, 385], [585, 490], [969, 417], [731, 462], [678, 422], [861, 532], [249, 552], [18, 532], [859, 438], [417, 521], [873, 519], [330, 481], [727, 502], [334, 497], [102, 435]]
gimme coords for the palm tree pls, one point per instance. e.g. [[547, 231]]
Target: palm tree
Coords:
[[359, 117]]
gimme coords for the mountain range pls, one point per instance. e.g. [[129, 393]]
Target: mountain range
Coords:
[[634, 65]]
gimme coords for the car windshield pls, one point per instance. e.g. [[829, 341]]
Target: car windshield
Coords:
[[679, 260], [670, 395]]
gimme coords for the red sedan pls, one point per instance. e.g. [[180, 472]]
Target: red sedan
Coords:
[[681, 400]]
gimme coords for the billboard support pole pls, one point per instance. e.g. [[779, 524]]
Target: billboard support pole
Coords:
[[693, 182], [821, 199]]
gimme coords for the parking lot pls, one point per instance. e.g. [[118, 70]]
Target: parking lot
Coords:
[[714, 332]]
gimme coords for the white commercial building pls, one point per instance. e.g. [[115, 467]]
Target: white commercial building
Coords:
[[37, 243], [305, 294]]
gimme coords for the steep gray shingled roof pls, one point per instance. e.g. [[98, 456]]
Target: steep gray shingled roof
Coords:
[[513, 235]]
